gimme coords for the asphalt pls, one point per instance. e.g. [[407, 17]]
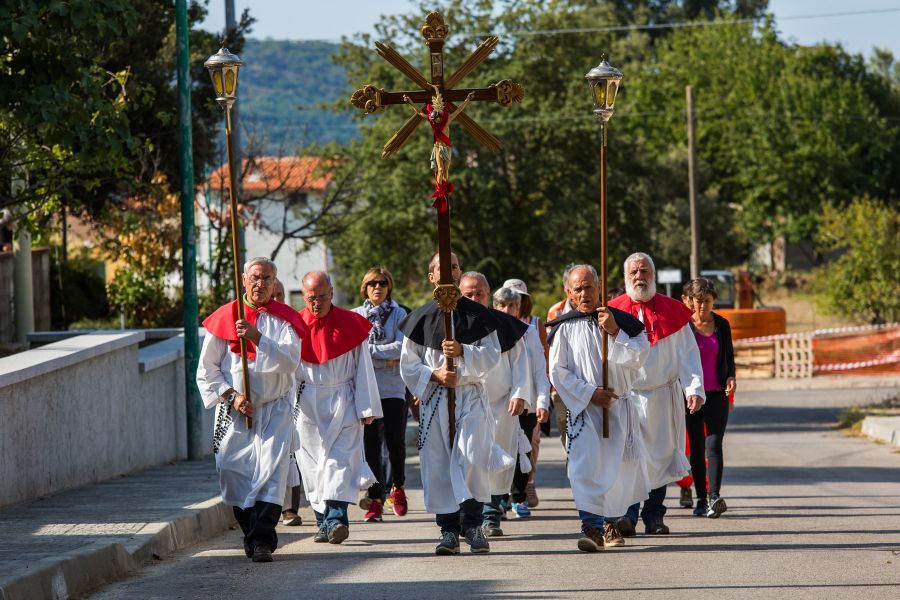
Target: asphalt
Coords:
[[811, 512]]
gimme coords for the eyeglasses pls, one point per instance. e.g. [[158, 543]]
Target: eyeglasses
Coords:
[[377, 282], [267, 280], [317, 298]]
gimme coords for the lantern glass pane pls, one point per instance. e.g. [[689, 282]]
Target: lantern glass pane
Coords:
[[611, 96], [217, 82], [230, 81], [600, 94]]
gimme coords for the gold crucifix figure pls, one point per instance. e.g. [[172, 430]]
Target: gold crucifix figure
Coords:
[[439, 117]]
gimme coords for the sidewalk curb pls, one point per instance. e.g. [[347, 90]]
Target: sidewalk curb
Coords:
[[80, 571], [823, 382], [885, 429]]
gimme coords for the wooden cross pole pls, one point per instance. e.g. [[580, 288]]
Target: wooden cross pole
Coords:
[[441, 93]]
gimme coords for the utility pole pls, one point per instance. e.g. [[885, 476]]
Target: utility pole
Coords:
[[23, 285], [230, 27], [194, 410], [692, 183]]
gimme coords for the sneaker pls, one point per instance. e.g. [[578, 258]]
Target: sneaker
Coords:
[[625, 527], [491, 530], [531, 495], [321, 536], [338, 533], [291, 518], [716, 508], [262, 553], [611, 536], [520, 509], [591, 540], [449, 544], [656, 528], [388, 504], [374, 513], [476, 540], [398, 501], [504, 509], [701, 508], [687, 500]]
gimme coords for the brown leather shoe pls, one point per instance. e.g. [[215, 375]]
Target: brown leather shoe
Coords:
[[591, 540], [611, 536]]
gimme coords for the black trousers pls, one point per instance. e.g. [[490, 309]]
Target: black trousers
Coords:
[[392, 430], [705, 429], [258, 524], [527, 421], [471, 513]]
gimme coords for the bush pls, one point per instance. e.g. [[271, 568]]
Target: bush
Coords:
[[77, 292]]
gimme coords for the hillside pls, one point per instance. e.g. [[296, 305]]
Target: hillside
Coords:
[[284, 88]]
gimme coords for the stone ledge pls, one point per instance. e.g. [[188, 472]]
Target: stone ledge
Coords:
[[66, 353], [886, 429], [161, 354]]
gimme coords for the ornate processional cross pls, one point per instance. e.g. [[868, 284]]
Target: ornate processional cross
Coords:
[[440, 111]]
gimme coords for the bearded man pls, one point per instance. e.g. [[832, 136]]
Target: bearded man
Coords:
[[671, 373]]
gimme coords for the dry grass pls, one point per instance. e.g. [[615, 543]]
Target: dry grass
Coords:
[[802, 312], [850, 421]]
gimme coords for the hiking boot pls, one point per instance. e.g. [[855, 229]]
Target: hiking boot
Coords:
[[338, 533], [656, 528], [491, 530], [398, 501], [591, 540], [375, 512], [321, 536], [531, 495], [291, 518], [625, 527], [687, 500], [449, 544], [476, 540], [262, 553], [701, 508], [611, 536], [716, 508], [520, 509]]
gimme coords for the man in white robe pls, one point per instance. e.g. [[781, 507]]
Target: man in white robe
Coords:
[[509, 390], [338, 396], [607, 474], [252, 463], [671, 374], [455, 473]]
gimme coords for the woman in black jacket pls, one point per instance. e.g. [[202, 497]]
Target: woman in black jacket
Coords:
[[706, 427]]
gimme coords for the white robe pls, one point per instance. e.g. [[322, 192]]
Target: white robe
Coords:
[[607, 475], [510, 379], [538, 362], [661, 403], [449, 478], [253, 465], [334, 396]]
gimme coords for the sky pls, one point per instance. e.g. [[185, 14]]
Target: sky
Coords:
[[330, 20]]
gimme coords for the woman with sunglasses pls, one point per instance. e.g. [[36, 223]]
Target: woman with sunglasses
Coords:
[[385, 342]]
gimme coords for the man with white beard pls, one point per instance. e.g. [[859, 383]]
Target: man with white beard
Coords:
[[671, 372], [509, 392]]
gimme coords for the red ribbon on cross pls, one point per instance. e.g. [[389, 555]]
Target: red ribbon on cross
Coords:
[[441, 196]]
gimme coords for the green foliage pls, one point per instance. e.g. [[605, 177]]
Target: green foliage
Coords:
[[284, 87], [77, 291], [142, 297], [864, 282]]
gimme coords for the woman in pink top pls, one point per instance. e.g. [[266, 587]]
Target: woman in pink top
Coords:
[[706, 427]]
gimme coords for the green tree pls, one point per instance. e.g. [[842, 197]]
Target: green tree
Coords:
[[864, 281]]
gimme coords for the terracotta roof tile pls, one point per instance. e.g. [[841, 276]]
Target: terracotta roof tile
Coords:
[[268, 173]]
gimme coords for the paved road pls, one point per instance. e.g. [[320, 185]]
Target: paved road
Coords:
[[811, 513]]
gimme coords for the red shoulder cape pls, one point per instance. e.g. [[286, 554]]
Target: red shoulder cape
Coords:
[[663, 316], [221, 323], [339, 332]]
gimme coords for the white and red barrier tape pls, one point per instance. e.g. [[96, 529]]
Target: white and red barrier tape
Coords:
[[887, 360], [818, 333]]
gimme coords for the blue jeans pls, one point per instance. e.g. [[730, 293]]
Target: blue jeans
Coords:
[[654, 508], [335, 512], [493, 511], [592, 520], [471, 511]]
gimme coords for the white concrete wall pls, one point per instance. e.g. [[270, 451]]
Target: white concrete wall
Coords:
[[87, 409]]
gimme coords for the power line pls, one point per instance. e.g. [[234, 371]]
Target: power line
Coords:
[[685, 24]]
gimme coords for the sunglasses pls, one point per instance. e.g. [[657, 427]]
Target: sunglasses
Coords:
[[376, 282]]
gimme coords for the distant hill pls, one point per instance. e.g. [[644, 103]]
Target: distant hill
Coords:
[[283, 87]]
